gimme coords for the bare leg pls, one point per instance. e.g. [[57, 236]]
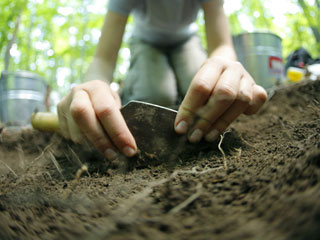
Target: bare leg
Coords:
[[150, 77], [186, 61]]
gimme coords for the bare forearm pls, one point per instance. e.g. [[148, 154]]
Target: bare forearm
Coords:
[[104, 61], [218, 31], [100, 69], [225, 51]]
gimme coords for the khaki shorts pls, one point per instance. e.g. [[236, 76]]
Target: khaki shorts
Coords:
[[162, 75]]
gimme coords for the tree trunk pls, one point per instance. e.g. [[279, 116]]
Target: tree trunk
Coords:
[[7, 57], [84, 48], [3, 38], [29, 45], [306, 12]]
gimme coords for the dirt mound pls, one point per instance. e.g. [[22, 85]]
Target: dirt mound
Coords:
[[262, 182]]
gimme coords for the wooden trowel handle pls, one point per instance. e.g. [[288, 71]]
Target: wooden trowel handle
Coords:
[[45, 121]]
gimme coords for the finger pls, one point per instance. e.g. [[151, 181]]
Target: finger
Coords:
[[224, 94], [63, 123], [111, 119], [74, 131], [198, 94], [76, 109], [258, 99], [85, 117], [237, 108], [246, 89], [117, 99]]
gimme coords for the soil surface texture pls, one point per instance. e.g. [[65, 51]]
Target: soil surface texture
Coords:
[[260, 180]]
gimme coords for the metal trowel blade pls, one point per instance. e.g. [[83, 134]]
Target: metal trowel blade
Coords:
[[152, 126]]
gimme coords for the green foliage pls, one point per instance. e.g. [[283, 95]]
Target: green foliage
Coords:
[[297, 31], [57, 39], [9, 12], [300, 35]]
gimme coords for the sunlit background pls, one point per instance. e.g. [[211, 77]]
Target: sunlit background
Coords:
[[57, 38]]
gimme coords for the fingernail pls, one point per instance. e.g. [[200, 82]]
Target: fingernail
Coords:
[[212, 135], [128, 151], [182, 127], [110, 154], [196, 136]]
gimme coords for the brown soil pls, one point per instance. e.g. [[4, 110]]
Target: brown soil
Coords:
[[266, 187]]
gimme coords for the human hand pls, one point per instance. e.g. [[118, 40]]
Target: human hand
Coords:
[[92, 110], [218, 94]]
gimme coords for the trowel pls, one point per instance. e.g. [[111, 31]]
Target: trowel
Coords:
[[151, 125]]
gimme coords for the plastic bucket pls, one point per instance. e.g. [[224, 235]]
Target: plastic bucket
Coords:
[[21, 93], [261, 55]]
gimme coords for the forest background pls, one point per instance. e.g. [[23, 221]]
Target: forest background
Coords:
[[57, 38]]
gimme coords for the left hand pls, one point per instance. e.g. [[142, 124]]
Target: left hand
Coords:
[[218, 94]]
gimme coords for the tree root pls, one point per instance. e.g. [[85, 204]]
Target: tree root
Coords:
[[75, 182], [246, 142], [221, 150], [188, 201], [55, 162], [10, 169], [239, 152], [55, 140]]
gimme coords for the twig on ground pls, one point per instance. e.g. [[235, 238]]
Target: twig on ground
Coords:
[[239, 152], [246, 142], [56, 139], [194, 171], [49, 175], [76, 179], [222, 152], [21, 155], [80, 171], [76, 157], [83, 167], [56, 164], [44, 151], [188, 201], [315, 101], [10, 169]]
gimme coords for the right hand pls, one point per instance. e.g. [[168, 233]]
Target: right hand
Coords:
[[92, 110]]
